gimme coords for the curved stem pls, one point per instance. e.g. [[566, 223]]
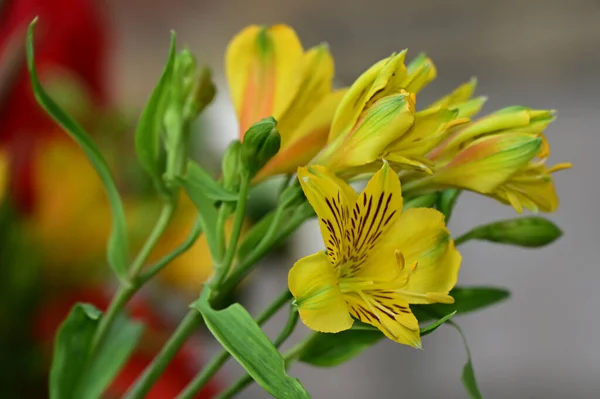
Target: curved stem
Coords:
[[161, 224], [463, 238], [187, 244], [246, 380], [125, 292], [143, 385], [224, 266], [192, 389]]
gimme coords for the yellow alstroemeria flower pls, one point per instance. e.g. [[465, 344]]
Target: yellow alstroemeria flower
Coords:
[[269, 74], [378, 260], [501, 155], [377, 119], [376, 110]]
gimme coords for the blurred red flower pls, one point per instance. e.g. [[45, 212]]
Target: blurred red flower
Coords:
[[71, 38]]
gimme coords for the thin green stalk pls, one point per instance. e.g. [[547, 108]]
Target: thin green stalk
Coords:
[[288, 358], [415, 186], [210, 369], [158, 266], [272, 236], [143, 385], [161, 224], [125, 292], [462, 239], [224, 266]]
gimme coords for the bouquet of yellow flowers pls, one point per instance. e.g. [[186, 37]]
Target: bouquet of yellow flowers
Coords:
[[389, 266]]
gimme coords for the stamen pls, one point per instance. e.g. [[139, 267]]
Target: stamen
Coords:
[[399, 259], [414, 267]]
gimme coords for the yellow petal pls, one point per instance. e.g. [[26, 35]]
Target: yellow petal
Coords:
[[422, 237], [488, 162], [509, 118], [430, 127], [535, 192], [263, 67], [331, 199], [312, 281], [381, 79], [461, 94], [385, 121], [306, 141], [375, 211], [315, 85], [469, 108], [421, 71], [391, 316]]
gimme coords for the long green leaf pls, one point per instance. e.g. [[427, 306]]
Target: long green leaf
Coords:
[[328, 350], [73, 374], [147, 133], [466, 300], [239, 334], [110, 357], [118, 247]]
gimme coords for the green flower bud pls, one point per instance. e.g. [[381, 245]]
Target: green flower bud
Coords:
[[230, 166], [261, 143], [525, 232]]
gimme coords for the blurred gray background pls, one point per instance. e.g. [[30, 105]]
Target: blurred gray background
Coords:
[[543, 342]]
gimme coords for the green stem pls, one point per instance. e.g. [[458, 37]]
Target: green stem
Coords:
[[272, 236], [415, 186], [192, 389], [125, 292], [463, 238], [143, 385], [223, 268], [158, 266], [288, 358], [161, 224]]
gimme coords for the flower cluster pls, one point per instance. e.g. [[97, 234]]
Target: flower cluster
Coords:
[[380, 259]]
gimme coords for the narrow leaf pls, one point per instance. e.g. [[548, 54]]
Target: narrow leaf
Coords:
[[468, 374], [434, 326], [202, 180], [118, 247], [149, 127], [110, 357], [239, 334], [73, 374], [207, 213]]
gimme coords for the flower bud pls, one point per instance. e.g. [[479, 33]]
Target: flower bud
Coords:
[[261, 143], [525, 232], [230, 166], [201, 93]]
